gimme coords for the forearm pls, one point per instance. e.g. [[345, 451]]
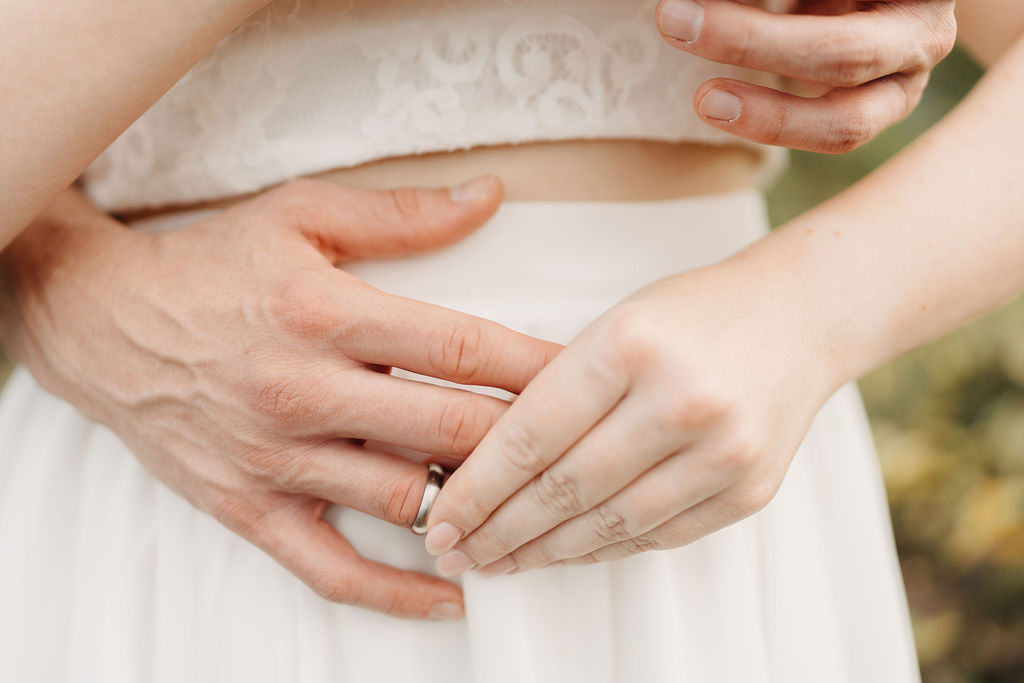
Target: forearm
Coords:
[[933, 238], [76, 74]]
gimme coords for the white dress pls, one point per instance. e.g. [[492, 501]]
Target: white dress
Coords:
[[106, 575]]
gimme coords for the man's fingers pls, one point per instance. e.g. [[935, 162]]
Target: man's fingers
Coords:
[[438, 342], [298, 538], [402, 412], [565, 400], [348, 223], [839, 121], [384, 485], [844, 50]]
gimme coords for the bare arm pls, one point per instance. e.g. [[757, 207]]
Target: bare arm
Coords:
[[934, 237], [76, 74]]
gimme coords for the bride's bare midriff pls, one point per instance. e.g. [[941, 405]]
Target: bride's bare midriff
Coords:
[[599, 170]]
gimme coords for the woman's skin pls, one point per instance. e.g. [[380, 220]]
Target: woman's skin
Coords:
[[672, 425], [220, 355], [76, 74]]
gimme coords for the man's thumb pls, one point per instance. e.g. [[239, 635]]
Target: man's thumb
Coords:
[[348, 223]]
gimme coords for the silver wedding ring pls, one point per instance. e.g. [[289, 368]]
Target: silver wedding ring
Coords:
[[435, 480]]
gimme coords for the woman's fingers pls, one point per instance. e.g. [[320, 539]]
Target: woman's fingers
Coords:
[[717, 512], [680, 482], [442, 343], [844, 50], [300, 540], [614, 453], [561, 405], [839, 121]]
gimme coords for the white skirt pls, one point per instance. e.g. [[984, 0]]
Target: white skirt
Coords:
[[107, 576]]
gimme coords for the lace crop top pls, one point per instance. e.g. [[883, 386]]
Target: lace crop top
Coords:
[[310, 85]]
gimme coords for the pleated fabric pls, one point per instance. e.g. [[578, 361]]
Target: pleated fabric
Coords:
[[107, 576]]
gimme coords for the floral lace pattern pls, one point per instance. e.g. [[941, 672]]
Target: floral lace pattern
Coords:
[[310, 85]]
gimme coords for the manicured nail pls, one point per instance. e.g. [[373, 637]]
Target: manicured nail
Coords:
[[442, 538], [473, 191], [454, 563], [503, 566], [682, 20], [720, 105], [446, 611]]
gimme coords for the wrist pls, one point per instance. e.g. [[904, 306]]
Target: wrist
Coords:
[[795, 311], [38, 272]]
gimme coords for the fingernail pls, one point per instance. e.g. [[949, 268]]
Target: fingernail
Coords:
[[453, 563], [446, 611], [503, 566], [442, 538], [473, 191], [720, 105], [682, 20]]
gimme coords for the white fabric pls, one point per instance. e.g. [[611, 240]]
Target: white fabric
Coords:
[[314, 85], [107, 576]]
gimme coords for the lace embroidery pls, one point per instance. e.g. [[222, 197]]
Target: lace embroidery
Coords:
[[306, 86]]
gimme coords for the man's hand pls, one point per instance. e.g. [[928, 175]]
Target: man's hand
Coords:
[[870, 60], [244, 369]]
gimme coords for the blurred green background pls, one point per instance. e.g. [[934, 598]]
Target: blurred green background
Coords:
[[949, 421]]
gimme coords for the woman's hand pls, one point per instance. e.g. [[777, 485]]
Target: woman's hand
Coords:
[[242, 367], [673, 415], [871, 60]]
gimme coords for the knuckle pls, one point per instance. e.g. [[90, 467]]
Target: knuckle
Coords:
[[609, 524], [641, 544], [847, 59], [456, 351], [332, 587], [943, 36], [239, 514], [738, 50], [521, 448], [301, 306], [697, 410], [285, 399], [402, 501], [739, 453], [751, 499], [407, 204], [558, 493], [776, 126], [284, 473], [459, 427], [849, 131], [634, 336]]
